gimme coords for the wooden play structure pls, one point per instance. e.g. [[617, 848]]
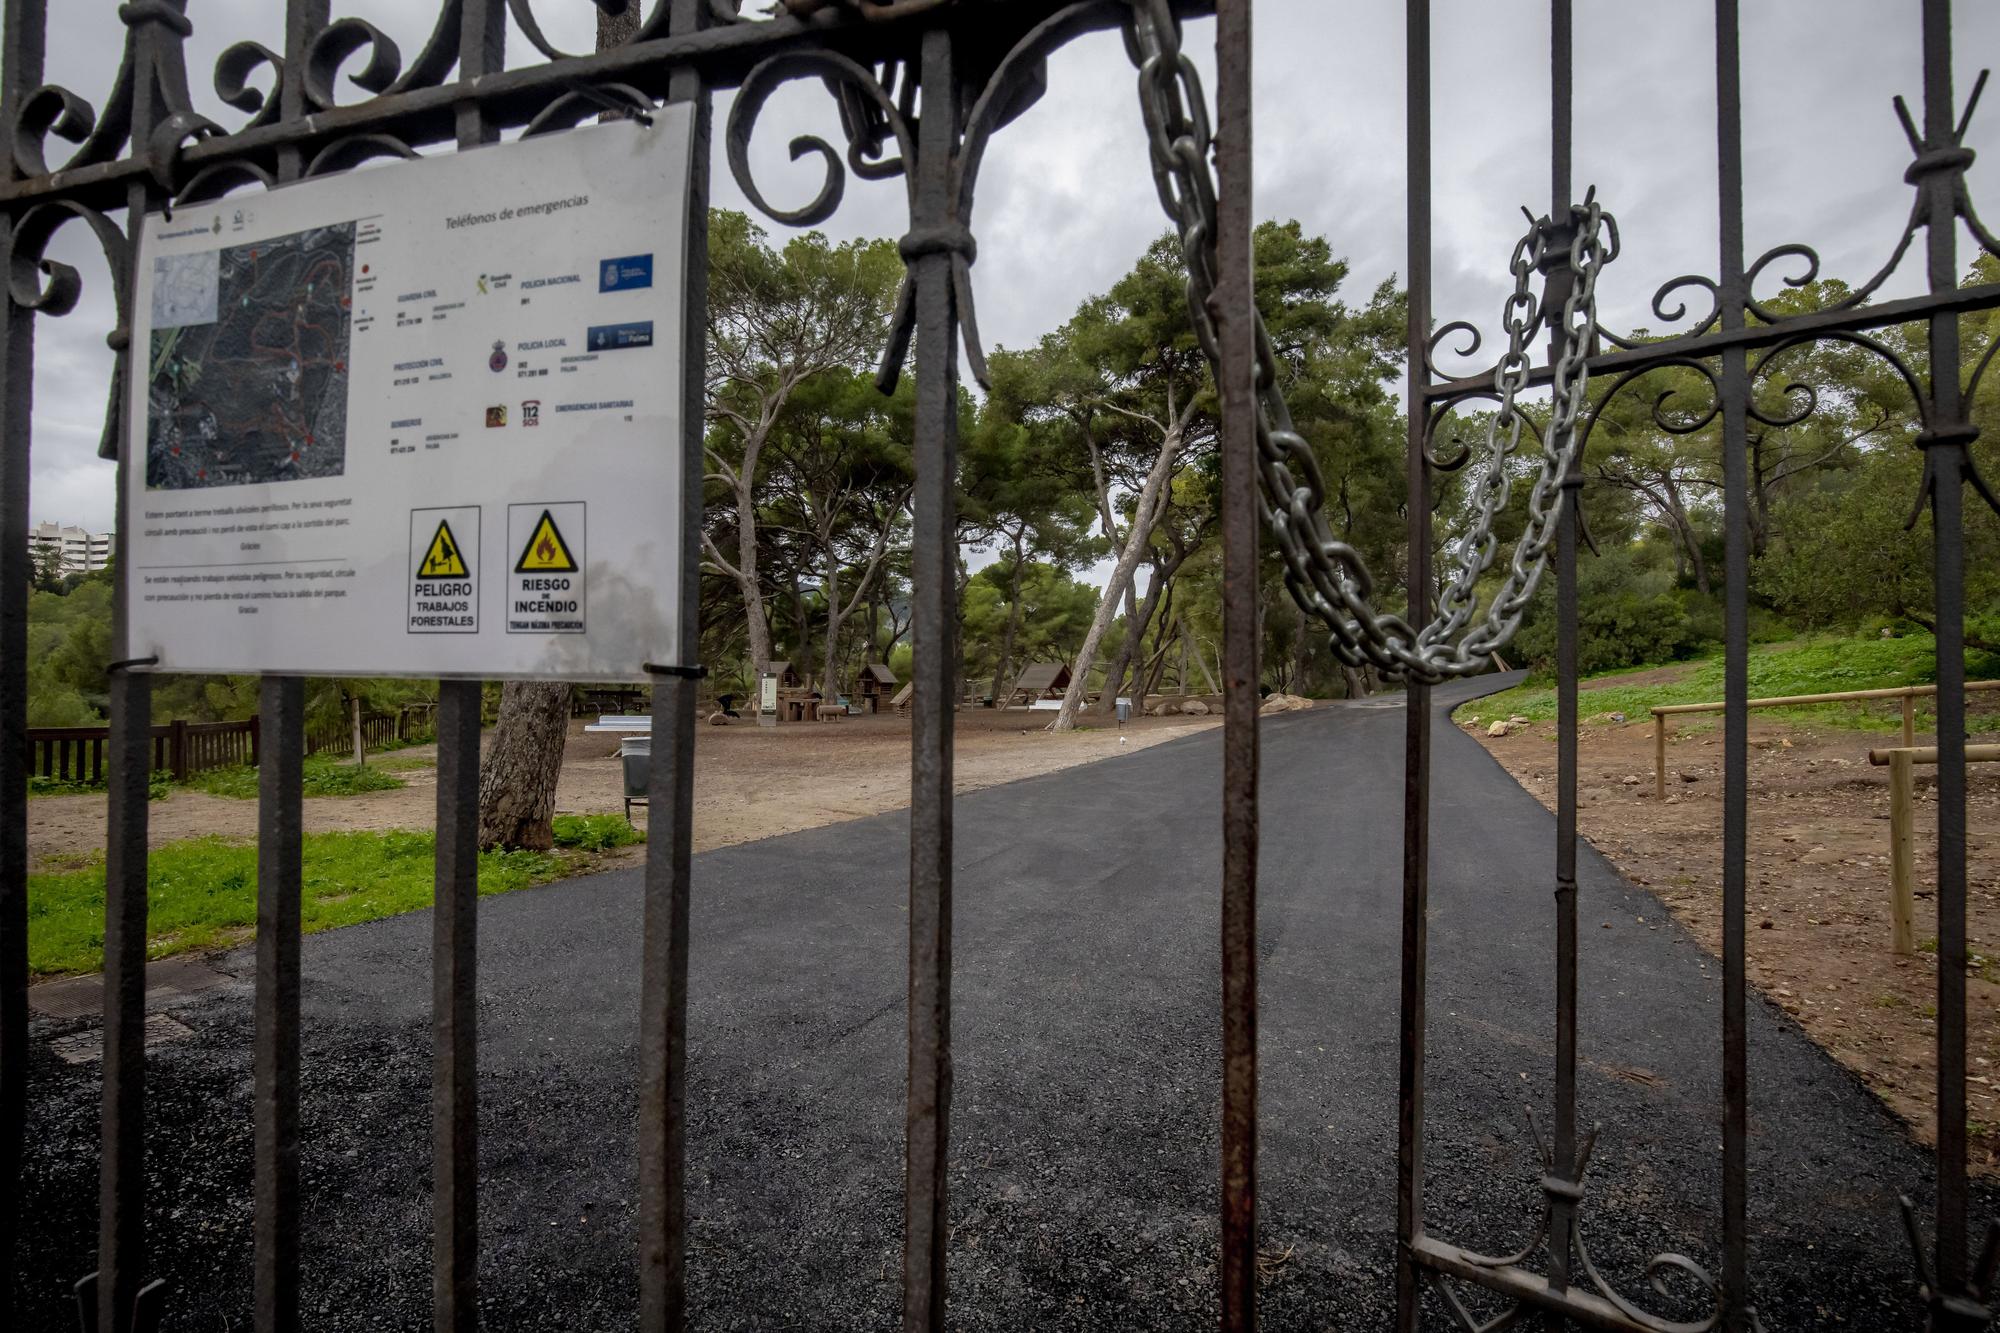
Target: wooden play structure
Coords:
[[1041, 680], [876, 685], [796, 699]]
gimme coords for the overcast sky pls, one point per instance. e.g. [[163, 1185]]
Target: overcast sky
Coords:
[[1066, 201]]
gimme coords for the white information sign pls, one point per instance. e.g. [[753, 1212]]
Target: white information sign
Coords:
[[421, 419]]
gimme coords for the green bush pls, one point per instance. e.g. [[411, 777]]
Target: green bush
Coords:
[[595, 833], [1626, 616]]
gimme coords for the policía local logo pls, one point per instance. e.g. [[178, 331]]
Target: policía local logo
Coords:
[[498, 361]]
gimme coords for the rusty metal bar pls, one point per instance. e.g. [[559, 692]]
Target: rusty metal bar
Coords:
[[21, 61], [280, 850], [276, 1098], [1417, 699], [454, 999], [110, 1297], [1946, 442], [455, 914], [1735, 392], [1235, 316], [1562, 1186], [670, 804], [933, 580], [1750, 337]]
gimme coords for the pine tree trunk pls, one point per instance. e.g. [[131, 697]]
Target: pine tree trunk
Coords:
[[517, 778]]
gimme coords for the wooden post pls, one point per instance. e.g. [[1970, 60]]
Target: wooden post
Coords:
[[1902, 852], [1909, 721], [178, 751], [256, 740], [1659, 756], [360, 750]]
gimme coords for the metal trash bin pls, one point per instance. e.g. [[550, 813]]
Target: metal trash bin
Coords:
[[636, 754], [1124, 711]]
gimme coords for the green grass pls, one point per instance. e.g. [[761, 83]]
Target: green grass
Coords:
[[1806, 666], [202, 893], [320, 776], [159, 786]]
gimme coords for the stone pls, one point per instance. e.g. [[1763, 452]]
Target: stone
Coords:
[[718, 719], [1517, 721], [1194, 708], [1630, 779], [1497, 729], [1617, 717], [1689, 775]]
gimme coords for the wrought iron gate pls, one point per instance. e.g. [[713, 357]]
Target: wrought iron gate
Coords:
[[921, 86]]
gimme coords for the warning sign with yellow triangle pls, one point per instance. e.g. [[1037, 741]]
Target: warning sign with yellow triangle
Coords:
[[546, 551], [442, 560]]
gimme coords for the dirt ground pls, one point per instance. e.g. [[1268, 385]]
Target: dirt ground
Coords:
[[1818, 890], [751, 782]]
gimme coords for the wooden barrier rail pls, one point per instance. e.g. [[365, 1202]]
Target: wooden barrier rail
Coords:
[[1909, 694], [76, 754], [182, 749], [1902, 762]]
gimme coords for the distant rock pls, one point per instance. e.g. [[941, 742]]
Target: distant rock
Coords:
[[1194, 708], [1498, 729]]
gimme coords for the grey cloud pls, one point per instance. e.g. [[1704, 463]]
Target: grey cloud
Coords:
[[1066, 200]]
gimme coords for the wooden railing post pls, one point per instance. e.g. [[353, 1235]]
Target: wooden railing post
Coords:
[[1902, 852], [177, 750], [256, 739], [1659, 755], [1909, 720]]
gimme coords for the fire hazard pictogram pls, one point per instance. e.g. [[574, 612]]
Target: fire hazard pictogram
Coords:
[[442, 560], [546, 552]]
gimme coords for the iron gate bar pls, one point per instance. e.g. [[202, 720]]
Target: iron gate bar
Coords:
[[1235, 312], [1417, 697], [1945, 463], [113, 1291], [275, 1105], [21, 46], [280, 865], [662, 1144], [1735, 393], [933, 672]]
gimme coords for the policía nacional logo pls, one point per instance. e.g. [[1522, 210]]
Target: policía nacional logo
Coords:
[[498, 361], [610, 273]]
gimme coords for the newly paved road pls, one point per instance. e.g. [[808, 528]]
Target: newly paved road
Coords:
[[1084, 1126]]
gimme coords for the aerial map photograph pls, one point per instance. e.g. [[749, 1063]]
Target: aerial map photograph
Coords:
[[249, 362]]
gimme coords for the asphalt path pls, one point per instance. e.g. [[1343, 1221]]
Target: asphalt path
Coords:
[[1087, 1060]]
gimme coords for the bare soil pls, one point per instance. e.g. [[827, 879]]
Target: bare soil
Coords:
[[1818, 907], [751, 782]]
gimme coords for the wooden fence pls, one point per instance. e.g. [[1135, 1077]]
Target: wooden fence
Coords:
[[182, 749], [76, 754], [1909, 694], [1900, 762]]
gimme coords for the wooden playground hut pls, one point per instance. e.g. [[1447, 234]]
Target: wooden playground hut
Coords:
[[795, 697], [1041, 680], [876, 685]]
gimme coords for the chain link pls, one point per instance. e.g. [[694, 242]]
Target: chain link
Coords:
[[1324, 575]]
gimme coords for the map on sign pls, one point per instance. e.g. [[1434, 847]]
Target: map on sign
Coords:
[[248, 362]]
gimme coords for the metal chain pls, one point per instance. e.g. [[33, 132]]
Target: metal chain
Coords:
[[1324, 575]]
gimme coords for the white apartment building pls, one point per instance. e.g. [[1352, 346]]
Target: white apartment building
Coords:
[[82, 551]]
